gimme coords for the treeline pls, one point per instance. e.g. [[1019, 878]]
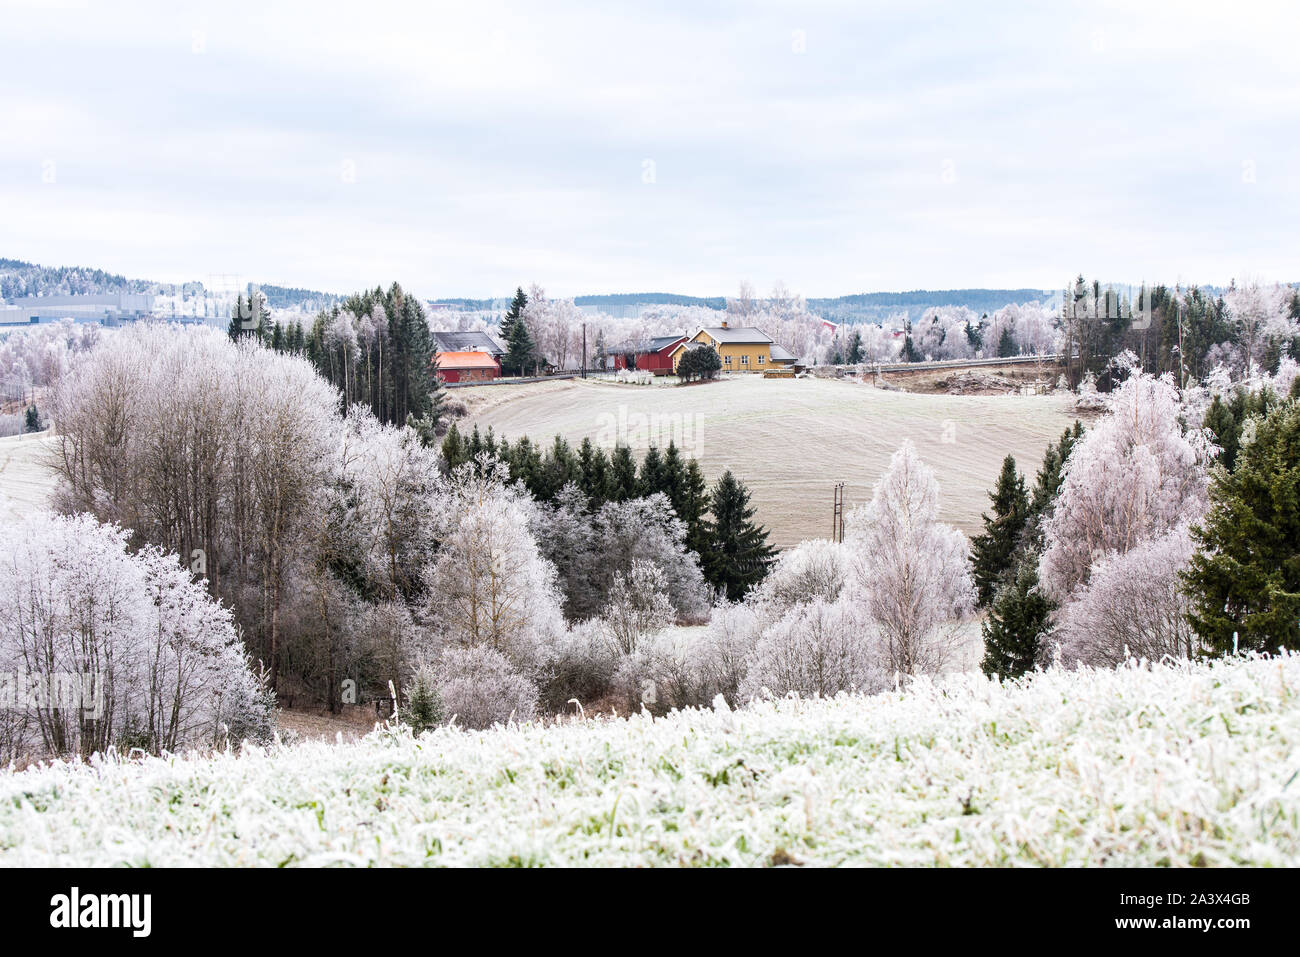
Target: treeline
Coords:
[[719, 523], [1184, 332], [19, 279]]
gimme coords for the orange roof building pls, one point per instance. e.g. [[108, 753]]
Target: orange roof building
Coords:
[[467, 366]]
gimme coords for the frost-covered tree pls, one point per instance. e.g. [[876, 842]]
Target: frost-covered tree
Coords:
[[911, 573], [638, 605], [488, 584], [1132, 606], [993, 552], [205, 447], [1134, 476], [164, 666]]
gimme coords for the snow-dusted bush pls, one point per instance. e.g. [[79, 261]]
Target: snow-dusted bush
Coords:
[[657, 675], [911, 573], [812, 569], [1134, 605], [1134, 476], [720, 658], [581, 665], [634, 376], [817, 649], [479, 688], [165, 663]]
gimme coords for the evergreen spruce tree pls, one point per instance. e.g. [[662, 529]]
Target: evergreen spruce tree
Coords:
[[1017, 626], [1245, 579], [1052, 474], [514, 336], [622, 475], [455, 451], [424, 708], [236, 327], [993, 553], [909, 353], [651, 479], [692, 508], [1006, 344], [594, 465], [33, 422], [737, 556]]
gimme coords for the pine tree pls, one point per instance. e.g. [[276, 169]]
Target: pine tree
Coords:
[[693, 507], [737, 555], [909, 353], [1006, 344], [1245, 579], [33, 423], [1017, 626], [993, 552]]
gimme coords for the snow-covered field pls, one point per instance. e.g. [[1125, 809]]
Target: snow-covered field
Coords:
[[791, 440], [25, 482], [1169, 765]]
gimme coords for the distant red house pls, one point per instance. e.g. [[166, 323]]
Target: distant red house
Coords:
[[651, 355], [467, 366]]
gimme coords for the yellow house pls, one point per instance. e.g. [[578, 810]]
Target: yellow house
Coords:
[[742, 348]]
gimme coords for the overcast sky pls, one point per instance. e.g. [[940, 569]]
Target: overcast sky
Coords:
[[840, 147]]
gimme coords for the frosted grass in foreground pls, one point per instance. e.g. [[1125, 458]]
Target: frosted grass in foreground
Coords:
[[1174, 764]]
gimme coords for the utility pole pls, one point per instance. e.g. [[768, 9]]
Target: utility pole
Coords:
[[584, 350], [837, 520]]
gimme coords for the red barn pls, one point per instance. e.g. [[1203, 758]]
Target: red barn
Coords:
[[652, 355], [467, 366]]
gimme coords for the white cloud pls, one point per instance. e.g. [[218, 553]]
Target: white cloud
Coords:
[[906, 145]]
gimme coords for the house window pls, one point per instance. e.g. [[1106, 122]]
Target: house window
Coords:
[[726, 360], [761, 360], [744, 360]]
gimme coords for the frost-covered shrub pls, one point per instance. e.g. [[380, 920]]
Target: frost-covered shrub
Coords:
[[581, 665], [168, 667], [480, 688], [1133, 606], [657, 675], [811, 570], [720, 658], [817, 649]]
